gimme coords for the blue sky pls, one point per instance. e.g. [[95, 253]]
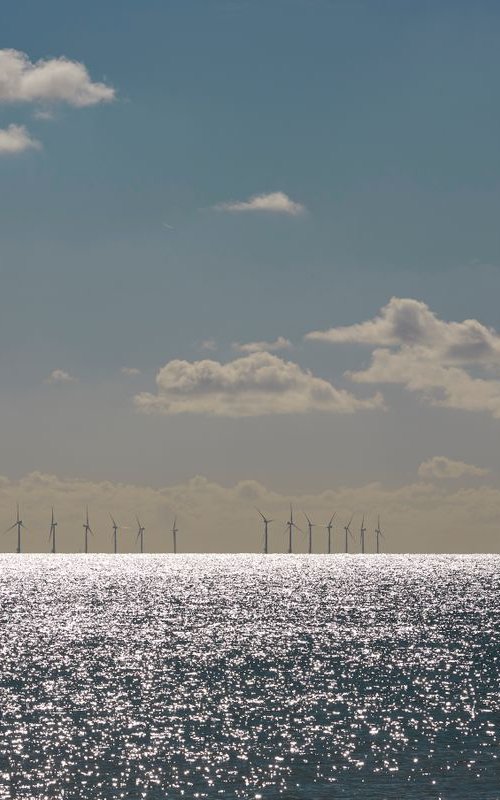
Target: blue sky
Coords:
[[380, 118]]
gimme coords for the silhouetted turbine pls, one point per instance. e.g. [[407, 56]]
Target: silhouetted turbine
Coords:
[[329, 528], [348, 533], [87, 529], [291, 525], [17, 524], [175, 531], [140, 535], [266, 525], [310, 526], [362, 534], [116, 528]]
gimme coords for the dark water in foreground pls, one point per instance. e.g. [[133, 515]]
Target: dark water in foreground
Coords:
[[244, 677]]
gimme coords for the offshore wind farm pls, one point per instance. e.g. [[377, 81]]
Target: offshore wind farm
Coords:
[[286, 527]]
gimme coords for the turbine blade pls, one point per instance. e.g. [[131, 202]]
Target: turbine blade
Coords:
[[11, 527]]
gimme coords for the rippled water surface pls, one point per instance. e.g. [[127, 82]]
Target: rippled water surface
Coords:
[[297, 677]]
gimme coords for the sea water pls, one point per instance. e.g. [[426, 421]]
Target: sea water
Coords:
[[294, 677]]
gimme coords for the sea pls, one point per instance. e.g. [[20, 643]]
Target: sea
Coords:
[[245, 676]]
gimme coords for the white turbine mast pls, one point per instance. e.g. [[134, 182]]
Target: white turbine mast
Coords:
[[52, 532], [175, 531]]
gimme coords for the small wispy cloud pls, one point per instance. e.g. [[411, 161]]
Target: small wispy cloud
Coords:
[[274, 203], [16, 139], [130, 371], [43, 114], [268, 347], [60, 376], [442, 467], [209, 345]]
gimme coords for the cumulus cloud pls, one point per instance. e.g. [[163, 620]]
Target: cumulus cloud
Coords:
[[274, 203], [51, 80], [16, 139], [418, 517], [130, 371], [427, 355], [254, 385], [60, 376], [270, 347], [442, 467], [405, 322]]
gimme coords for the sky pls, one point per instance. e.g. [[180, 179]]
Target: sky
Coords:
[[250, 255]]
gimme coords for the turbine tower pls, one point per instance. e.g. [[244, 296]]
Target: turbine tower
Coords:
[[52, 533], [87, 529], [378, 534], [291, 525], [266, 525], [17, 524], [329, 528], [348, 533], [140, 535], [310, 526], [362, 534], [116, 528], [175, 531]]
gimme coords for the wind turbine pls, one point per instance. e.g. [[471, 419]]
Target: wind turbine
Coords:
[[291, 525], [175, 531], [87, 529], [140, 534], [362, 534], [266, 525], [378, 534], [116, 528], [17, 524], [52, 533], [310, 526], [348, 533], [329, 529]]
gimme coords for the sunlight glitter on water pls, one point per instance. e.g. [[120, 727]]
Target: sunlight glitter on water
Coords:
[[298, 677]]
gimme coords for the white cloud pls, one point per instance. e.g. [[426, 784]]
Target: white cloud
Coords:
[[432, 357], [419, 517], [52, 80], [60, 376], [16, 139], [442, 467], [250, 386], [130, 371], [275, 202], [270, 347]]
